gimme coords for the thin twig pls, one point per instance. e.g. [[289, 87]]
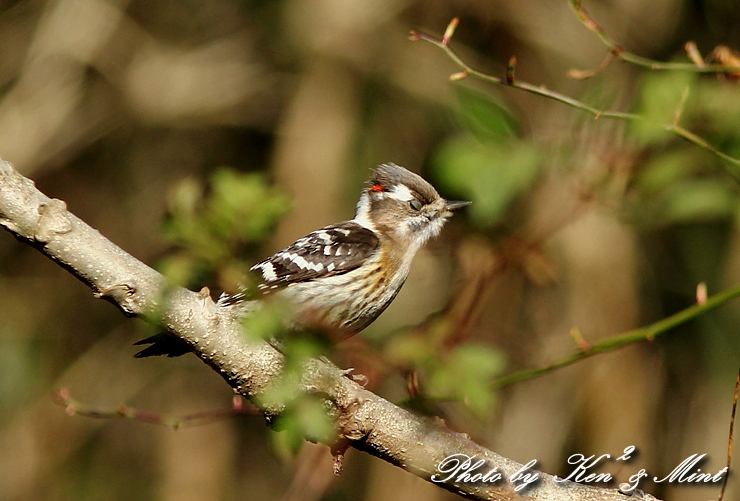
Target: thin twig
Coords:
[[729, 441], [628, 57], [73, 408], [647, 333], [543, 91], [539, 90], [586, 74]]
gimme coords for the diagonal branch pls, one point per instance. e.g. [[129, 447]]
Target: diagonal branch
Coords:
[[362, 419], [647, 333]]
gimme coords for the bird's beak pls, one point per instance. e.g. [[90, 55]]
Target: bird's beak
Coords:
[[454, 205]]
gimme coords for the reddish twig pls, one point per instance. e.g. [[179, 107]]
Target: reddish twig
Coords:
[[74, 408]]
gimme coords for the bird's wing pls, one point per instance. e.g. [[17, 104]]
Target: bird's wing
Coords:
[[332, 250]]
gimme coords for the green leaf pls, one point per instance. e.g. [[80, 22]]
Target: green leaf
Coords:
[[307, 417], [267, 321], [466, 374], [243, 205], [660, 97], [489, 173], [240, 209], [486, 117], [408, 350], [699, 200], [180, 268], [663, 170]]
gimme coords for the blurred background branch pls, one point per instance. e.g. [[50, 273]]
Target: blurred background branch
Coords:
[[74, 408], [648, 333], [542, 91], [727, 64]]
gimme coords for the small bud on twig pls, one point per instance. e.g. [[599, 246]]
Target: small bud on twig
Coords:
[[701, 293], [727, 58], [579, 340], [412, 384], [693, 52], [450, 30], [510, 70], [458, 76]]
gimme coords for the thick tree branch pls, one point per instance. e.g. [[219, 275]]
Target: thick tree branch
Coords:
[[363, 420]]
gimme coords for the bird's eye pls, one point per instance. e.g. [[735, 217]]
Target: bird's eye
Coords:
[[415, 204]]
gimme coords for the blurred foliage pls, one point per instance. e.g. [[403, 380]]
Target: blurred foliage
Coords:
[[459, 373], [267, 322], [303, 416], [662, 96], [238, 212], [674, 188], [489, 164], [489, 173], [679, 183], [212, 228], [465, 374], [306, 417]]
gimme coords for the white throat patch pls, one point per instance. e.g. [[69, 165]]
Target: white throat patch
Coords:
[[362, 213]]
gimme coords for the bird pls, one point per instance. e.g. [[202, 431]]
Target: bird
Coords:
[[341, 277]]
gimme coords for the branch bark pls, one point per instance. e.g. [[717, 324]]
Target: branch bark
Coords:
[[363, 420]]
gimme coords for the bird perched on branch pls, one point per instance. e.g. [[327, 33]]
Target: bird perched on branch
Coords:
[[343, 276]]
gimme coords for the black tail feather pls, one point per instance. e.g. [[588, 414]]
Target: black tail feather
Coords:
[[163, 344]]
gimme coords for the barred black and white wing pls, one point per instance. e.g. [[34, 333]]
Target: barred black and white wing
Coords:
[[332, 250]]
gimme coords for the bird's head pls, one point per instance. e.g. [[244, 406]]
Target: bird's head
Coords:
[[403, 206]]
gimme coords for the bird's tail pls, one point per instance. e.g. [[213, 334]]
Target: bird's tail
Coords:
[[163, 344]]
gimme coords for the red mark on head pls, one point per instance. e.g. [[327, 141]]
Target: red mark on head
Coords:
[[376, 187]]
